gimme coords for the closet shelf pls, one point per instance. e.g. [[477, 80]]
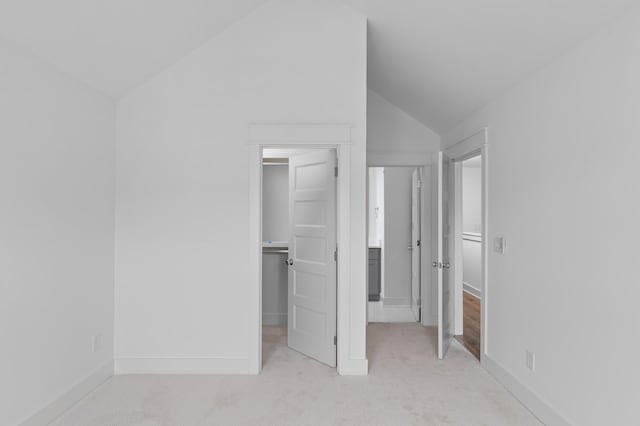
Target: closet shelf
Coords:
[[276, 244], [274, 250], [472, 236], [281, 247]]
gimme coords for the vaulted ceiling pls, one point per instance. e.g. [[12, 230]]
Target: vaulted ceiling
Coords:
[[115, 45], [438, 60]]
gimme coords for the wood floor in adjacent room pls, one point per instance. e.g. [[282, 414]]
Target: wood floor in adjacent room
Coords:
[[470, 338], [407, 385]]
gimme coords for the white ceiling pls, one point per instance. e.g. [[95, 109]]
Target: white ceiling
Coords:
[[115, 45], [438, 60]]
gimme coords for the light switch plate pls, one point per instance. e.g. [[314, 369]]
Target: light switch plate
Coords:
[[499, 245]]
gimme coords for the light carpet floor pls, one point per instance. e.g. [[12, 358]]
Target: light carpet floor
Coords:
[[406, 385]]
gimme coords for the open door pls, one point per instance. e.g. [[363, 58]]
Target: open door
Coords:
[[445, 241], [312, 255], [415, 243]]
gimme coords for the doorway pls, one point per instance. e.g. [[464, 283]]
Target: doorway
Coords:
[[394, 243], [299, 253], [460, 267], [468, 188]]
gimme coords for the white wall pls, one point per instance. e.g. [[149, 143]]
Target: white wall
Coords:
[[182, 278], [397, 222], [275, 276], [471, 199], [472, 265], [392, 133], [472, 223], [56, 233], [563, 165], [275, 203]]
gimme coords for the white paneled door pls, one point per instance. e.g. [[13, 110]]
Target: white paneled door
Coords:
[[445, 246], [415, 243], [312, 255]]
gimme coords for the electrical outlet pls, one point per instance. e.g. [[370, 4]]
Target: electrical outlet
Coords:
[[499, 245], [96, 343], [531, 361]]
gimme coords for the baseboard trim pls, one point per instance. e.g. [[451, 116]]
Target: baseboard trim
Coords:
[[533, 402], [429, 320], [471, 290], [354, 367], [396, 301], [379, 312], [71, 397], [170, 365], [274, 319]]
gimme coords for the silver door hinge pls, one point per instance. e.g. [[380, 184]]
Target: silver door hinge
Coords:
[[336, 171], [335, 340], [335, 255]]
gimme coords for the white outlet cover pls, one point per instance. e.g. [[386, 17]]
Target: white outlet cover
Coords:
[[96, 343], [531, 361], [499, 245]]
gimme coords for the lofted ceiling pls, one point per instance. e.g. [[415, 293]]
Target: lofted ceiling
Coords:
[[441, 60], [115, 45], [438, 60]]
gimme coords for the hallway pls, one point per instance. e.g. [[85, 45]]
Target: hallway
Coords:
[[406, 385]]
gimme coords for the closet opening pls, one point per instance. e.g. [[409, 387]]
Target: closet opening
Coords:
[[299, 255]]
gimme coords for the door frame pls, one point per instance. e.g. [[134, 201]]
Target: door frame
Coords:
[[423, 256], [322, 136], [424, 162], [468, 147]]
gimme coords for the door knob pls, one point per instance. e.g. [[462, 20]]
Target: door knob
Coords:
[[434, 264], [289, 262], [445, 265]]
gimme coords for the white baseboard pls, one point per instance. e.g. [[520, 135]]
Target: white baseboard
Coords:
[[379, 312], [354, 367], [68, 399], [168, 365], [534, 403], [395, 301], [471, 289], [429, 320], [274, 319]]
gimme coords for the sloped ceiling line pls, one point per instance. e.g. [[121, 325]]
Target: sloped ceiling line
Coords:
[[438, 60]]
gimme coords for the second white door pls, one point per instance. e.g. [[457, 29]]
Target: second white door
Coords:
[[312, 255]]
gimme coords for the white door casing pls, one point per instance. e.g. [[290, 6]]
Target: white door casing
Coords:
[[445, 246], [470, 146], [312, 251], [416, 185]]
